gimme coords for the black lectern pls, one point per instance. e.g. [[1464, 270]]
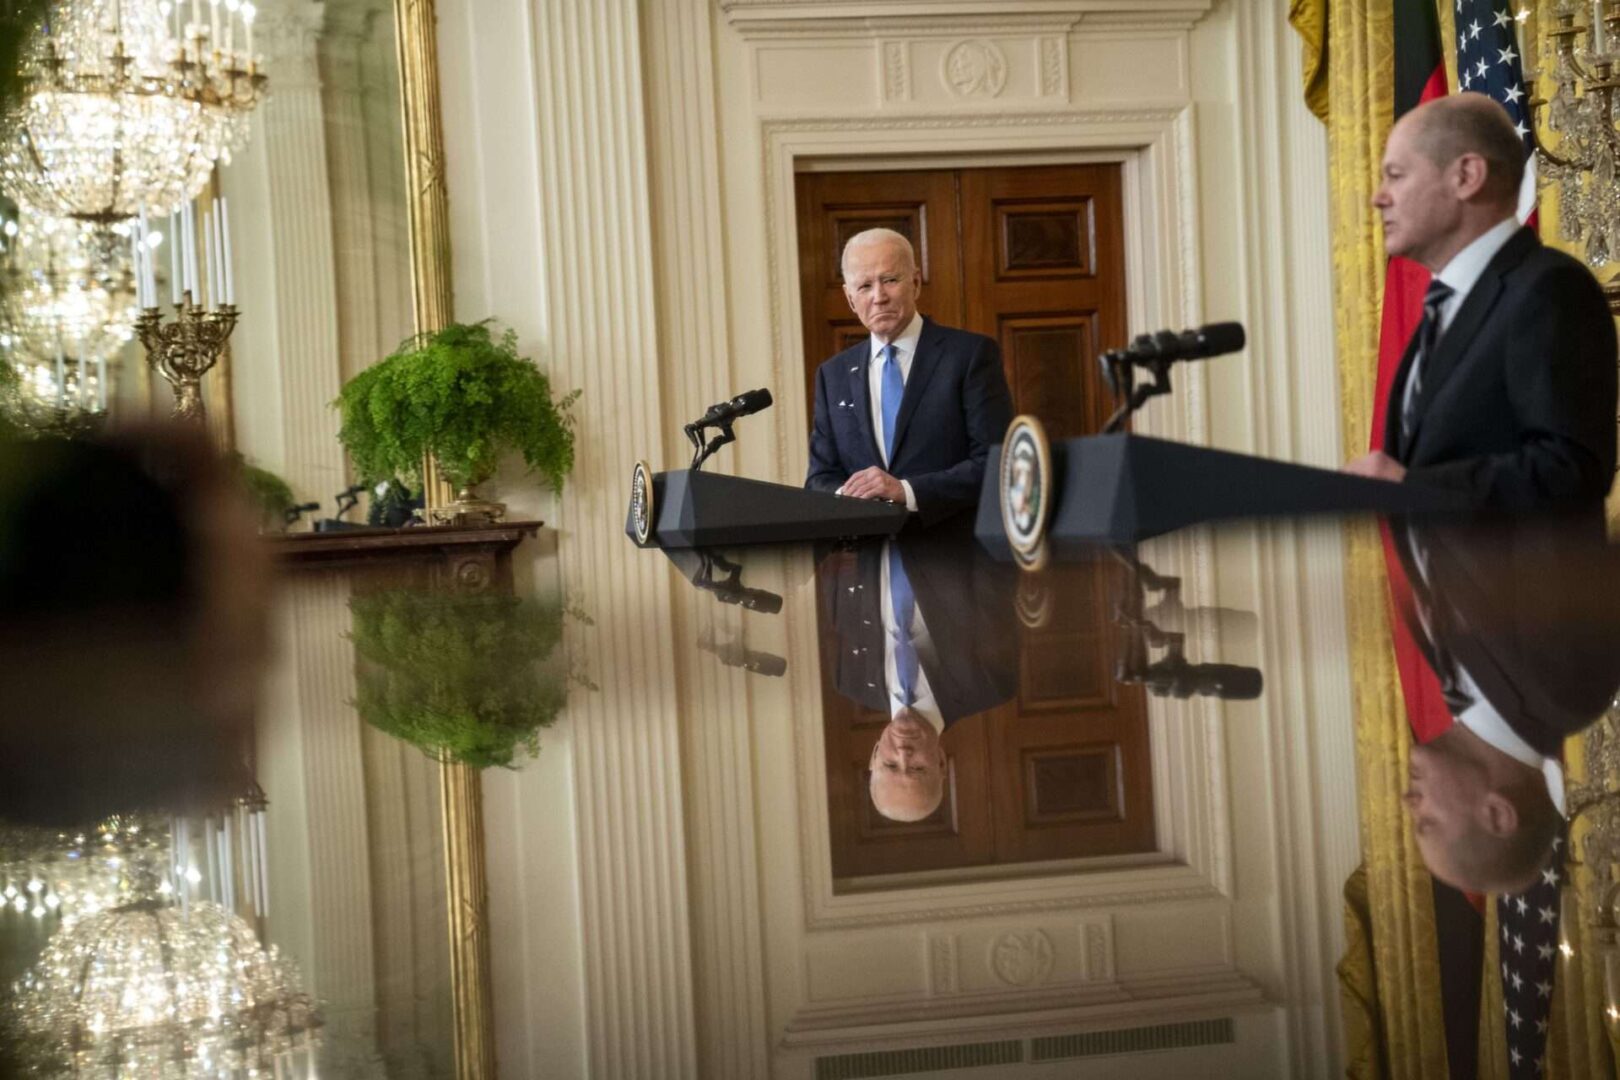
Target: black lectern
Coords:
[[699, 509], [1118, 488]]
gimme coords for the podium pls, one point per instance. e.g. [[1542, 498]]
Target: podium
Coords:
[[1119, 488], [699, 509]]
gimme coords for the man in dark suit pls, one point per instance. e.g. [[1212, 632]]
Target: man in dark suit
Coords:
[[1507, 390], [1517, 621], [921, 630], [908, 415]]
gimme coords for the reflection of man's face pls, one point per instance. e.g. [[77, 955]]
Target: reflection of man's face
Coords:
[[882, 285], [908, 768], [1443, 796]]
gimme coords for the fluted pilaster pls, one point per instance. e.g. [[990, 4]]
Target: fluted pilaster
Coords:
[[604, 338], [286, 367]]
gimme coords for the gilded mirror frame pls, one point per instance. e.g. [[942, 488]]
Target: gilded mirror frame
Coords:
[[461, 788]]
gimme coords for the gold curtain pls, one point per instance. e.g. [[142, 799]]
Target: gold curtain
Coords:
[[1389, 976]]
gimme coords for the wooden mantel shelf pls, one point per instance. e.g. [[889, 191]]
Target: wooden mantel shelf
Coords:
[[326, 549]]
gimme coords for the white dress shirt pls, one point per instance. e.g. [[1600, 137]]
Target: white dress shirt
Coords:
[[920, 640], [905, 351], [1462, 273]]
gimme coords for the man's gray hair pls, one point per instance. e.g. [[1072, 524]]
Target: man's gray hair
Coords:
[[876, 236]]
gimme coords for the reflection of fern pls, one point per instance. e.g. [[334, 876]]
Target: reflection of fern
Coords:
[[456, 674]]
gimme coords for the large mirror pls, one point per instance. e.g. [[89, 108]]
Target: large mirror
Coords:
[[344, 863]]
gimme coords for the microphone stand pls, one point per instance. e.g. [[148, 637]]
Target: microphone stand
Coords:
[[1119, 367], [694, 431]]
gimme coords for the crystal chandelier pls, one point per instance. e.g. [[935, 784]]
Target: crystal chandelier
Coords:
[[1581, 143], [150, 990], [67, 306], [128, 104]]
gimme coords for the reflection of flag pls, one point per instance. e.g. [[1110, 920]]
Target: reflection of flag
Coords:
[[1528, 950]]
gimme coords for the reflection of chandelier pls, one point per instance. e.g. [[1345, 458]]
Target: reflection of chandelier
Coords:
[[126, 108], [1581, 157], [148, 990], [68, 288], [51, 873]]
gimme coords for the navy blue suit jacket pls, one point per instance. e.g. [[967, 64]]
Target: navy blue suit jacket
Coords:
[[956, 407], [1517, 406]]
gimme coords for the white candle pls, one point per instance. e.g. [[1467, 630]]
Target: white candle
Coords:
[[225, 234], [213, 18], [174, 261], [101, 381], [140, 278], [264, 862], [61, 376], [248, 11], [211, 261]]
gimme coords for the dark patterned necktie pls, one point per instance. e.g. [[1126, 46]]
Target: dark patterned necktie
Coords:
[[905, 607], [1428, 333]]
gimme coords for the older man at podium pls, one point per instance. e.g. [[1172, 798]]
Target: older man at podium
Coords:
[[910, 414]]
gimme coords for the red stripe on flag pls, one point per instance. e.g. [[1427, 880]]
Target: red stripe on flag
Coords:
[[1404, 285], [1426, 708]]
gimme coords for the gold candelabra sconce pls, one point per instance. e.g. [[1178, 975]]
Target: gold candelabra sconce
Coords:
[[1592, 893], [1576, 58], [183, 351]]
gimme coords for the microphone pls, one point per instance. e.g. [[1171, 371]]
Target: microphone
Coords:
[[744, 404], [1200, 343]]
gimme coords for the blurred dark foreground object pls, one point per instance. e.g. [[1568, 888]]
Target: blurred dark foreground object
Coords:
[[132, 634]]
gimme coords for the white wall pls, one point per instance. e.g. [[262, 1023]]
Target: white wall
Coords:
[[621, 193]]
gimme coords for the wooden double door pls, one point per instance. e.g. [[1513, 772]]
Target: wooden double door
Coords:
[[1033, 257]]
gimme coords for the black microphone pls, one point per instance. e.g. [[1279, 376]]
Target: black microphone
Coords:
[[1215, 339], [744, 404]]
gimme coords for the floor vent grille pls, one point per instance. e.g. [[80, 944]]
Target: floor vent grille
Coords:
[[922, 1060], [1133, 1040]]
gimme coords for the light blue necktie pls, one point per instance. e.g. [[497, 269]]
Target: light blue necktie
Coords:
[[905, 650], [894, 388]]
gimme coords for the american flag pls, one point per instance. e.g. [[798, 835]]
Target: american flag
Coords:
[[1488, 63], [1529, 952]]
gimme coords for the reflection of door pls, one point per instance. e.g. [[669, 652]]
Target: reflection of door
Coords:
[[1061, 771], [1033, 257]]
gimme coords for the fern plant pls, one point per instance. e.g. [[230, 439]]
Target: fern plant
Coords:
[[462, 395]]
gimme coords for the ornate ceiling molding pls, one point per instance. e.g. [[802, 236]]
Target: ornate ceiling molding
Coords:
[[846, 19]]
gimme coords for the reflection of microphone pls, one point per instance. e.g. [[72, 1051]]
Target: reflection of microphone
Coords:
[[1229, 682], [744, 404], [734, 655], [1215, 339], [731, 591]]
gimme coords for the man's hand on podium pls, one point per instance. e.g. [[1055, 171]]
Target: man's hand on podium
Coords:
[[1377, 466], [874, 483]]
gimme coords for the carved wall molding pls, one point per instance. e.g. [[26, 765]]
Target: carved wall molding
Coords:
[[756, 19]]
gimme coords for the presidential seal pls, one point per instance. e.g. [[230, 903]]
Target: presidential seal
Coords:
[[1026, 469], [641, 502]]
